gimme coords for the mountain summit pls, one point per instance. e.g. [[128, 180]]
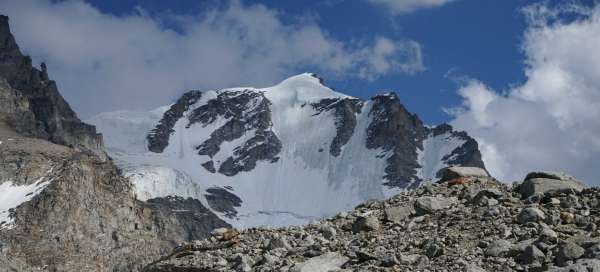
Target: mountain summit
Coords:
[[283, 154]]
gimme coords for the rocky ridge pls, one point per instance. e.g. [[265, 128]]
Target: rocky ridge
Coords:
[[465, 222], [64, 205], [31, 104]]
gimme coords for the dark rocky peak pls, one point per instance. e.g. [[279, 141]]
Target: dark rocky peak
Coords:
[[246, 111], [158, 138], [396, 130], [50, 117], [231, 104], [467, 154], [441, 129]]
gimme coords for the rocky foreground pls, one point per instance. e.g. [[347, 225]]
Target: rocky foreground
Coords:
[[469, 222]]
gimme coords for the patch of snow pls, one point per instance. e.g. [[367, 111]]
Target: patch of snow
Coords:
[[12, 195]]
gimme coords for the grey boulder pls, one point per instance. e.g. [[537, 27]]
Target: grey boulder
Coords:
[[455, 172], [549, 183], [430, 204], [327, 262]]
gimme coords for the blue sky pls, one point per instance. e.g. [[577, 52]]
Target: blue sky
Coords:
[[479, 38], [522, 77]]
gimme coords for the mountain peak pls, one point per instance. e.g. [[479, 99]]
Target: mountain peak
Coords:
[[306, 87]]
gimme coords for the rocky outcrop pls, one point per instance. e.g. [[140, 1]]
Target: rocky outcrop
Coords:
[[158, 138], [479, 224], [65, 206], [467, 154], [38, 109], [345, 110], [456, 172], [184, 218], [247, 114], [88, 210], [396, 130], [223, 201], [548, 183]]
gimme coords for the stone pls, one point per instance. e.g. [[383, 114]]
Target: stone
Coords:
[[498, 248], [327, 262], [429, 204], [549, 175], [473, 268], [368, 223], [593, 251], [531, 255], [568, 251], [433, 248], [279, 242], [545, 183], [410, 259], [582, 265], [397, 214], [328, 232], [388, 260], [530, 214], [455, 172], [567, 217]]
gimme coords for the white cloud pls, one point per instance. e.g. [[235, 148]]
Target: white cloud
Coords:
[[551, 121], [104, 62], [407, 6]]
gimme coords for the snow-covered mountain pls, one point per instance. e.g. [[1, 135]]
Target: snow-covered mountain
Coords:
[[280, 155]]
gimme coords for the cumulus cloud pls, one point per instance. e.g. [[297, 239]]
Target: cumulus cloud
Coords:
[[551, 121], [407, 6], [104, 62]]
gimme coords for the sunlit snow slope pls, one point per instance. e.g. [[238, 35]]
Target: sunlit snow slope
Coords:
[[286, 154]]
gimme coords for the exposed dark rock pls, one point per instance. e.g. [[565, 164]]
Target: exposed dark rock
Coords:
[[209, 166], [345, 119], [221, 200], [247, 112], [193, 220], [40, 110], [467, 154], [86, 217], [396, 130], [158, 138], [264, 146]]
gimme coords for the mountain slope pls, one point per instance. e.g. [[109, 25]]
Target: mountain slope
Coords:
[[284, 154], [41, 111], [63, 205]]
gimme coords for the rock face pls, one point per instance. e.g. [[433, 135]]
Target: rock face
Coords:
[[456, 172], [63, 205], [158, 138], [549, 183], [275, 146], [463, 236], [31, 103]]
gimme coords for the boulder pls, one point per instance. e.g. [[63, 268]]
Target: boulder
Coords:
[[454, 172], [499, 248], [398, 214], [368, 223], [569, 251], [531, 255], [549, 183], [582, 265], [430, 204], [530, 214], [331, 261]]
